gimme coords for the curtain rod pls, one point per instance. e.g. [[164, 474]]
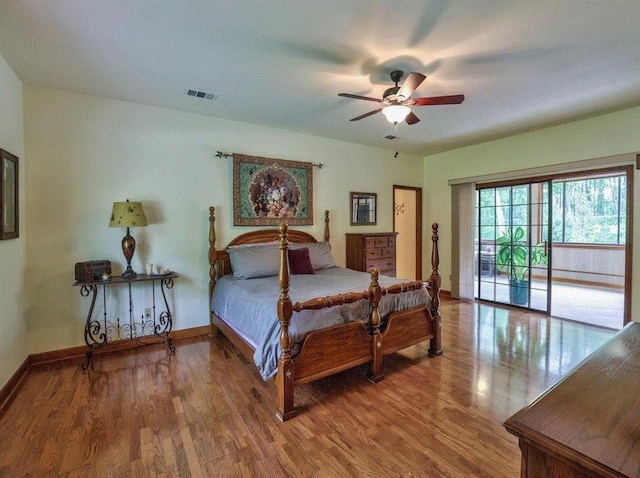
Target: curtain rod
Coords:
[[220, 154]]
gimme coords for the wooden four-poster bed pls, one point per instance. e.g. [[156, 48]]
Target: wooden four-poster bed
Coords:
[[325, 332]]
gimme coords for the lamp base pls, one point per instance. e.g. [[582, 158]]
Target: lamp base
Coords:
[[128, 248]]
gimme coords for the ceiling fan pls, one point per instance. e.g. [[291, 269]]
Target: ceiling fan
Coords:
[[397, 99]]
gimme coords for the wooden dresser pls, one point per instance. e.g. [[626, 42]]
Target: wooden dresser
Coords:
[[588, 424], [373, 250]]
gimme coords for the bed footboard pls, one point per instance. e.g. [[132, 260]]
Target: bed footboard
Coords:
[[328, 351]]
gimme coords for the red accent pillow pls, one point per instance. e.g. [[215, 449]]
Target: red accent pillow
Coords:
[[299, 261]]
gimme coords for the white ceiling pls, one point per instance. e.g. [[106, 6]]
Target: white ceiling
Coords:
[[281, 63]]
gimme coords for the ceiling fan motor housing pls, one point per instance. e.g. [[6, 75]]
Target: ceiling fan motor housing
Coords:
[[390, 94]]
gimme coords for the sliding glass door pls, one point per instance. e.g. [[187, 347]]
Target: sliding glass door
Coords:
[[512, 248], [590, 241]]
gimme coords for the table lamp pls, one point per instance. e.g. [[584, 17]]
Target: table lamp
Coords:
[[128, 214]]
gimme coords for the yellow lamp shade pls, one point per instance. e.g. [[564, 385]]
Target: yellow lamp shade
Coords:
[[128, 214]]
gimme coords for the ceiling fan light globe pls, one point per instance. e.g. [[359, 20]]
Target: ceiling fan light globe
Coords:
[[396, 113]]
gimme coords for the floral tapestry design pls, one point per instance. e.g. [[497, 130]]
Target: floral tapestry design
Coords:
[[270, 191]]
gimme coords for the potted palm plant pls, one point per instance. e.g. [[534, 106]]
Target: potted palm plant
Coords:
[[513, 257]]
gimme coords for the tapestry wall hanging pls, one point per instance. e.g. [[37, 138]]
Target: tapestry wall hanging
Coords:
[[269, 191]]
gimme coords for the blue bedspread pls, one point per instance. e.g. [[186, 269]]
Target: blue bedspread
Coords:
[[250, 307]]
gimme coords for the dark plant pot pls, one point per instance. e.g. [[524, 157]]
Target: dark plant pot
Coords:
[[519, 292]]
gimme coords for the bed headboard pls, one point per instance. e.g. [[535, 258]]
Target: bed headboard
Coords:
[[219, 264]]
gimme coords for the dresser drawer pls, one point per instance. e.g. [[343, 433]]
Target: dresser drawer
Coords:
[[382, 241], [381, 264], [374, 253], [369, 242], [388, 252]]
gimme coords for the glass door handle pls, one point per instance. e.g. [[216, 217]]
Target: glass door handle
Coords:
[[546, 248]]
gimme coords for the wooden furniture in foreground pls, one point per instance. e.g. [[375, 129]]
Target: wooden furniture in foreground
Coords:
[[152, 325], [376, 250], [588, 424], [331, 350]]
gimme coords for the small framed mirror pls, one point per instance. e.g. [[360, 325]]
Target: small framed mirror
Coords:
[[363, 209]]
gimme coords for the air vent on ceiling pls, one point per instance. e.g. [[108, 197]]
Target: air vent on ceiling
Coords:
[[202, 94], [390, 136]]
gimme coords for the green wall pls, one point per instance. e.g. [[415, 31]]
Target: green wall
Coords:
[[13, 333], [602, 136], [87, 152]]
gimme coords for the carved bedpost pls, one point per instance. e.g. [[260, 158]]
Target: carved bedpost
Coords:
[[327, 234], [375, 294], [435, 345], [284, 376], [212, 263], [435, 279]]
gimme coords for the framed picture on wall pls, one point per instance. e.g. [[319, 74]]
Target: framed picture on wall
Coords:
[[269, 191], [363, 209], [9, 196]]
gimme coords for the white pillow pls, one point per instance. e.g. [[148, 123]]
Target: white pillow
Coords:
[[249, 261], [259, 260]]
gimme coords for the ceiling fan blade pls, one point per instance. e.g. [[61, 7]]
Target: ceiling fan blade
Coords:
[[436, 100], [366, 114], [409, 86], [411, 118], [358, 97]]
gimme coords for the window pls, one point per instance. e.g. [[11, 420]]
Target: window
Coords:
[[502, 208], [590, 211]]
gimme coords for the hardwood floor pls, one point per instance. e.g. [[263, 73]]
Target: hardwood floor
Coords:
[[206, 411]]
